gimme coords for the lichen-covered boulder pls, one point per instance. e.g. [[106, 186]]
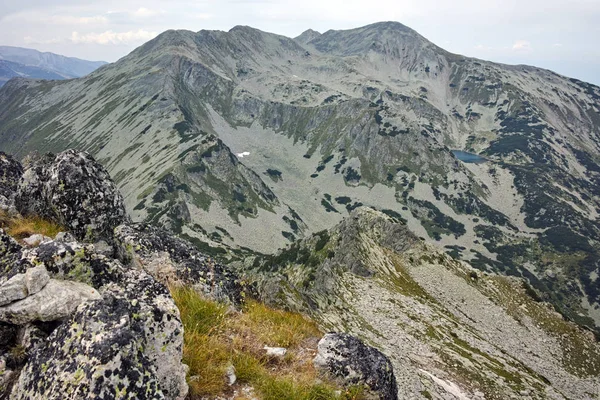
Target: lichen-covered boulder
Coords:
[[31, 196], [127, 345], [75, 261], [22, 285], [10, 257], [173, 260], [10, 175], [129, 336], [75, 191], [57, 300], [349, 360]]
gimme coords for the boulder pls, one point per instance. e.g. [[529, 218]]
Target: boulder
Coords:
[[75, 261], [36, 239], [73, 190], [36, 279], [22, 285], [12, 290], [56, 301], [352, 362], [132, 329], [10, 256], [126, 345], [173, 260], [10, 175], [31, 197]]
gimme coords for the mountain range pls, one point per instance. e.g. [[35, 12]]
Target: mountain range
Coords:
[[29, 63], [245, 141]]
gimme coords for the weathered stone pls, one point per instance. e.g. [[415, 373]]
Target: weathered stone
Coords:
[[348, 359], [75, 191], [275, 351], [36, 278], [8, 334], [10, 254], [7, 206], [75, 261], [32, 197], [64, 237], [127, 344], [169, 258], [14, 289], [36, 239], [57, 300], [10, 174]]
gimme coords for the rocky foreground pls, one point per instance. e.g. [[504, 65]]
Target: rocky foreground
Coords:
[[87, 314]]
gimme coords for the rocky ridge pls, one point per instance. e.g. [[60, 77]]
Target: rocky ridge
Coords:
[[87, 313], [455, 332]]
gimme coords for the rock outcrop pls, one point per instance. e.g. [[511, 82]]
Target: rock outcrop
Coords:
[[10, 175], [173, 260], [75, 191], [348, 359], [128, 343], [75, 321]]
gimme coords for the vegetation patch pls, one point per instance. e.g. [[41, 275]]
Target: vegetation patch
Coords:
[[23, 227], [216, 338]]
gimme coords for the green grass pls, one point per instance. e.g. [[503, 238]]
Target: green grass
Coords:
[[216, 337], [23, 227]]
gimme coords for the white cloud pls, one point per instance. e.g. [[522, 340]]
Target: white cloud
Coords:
[[521, 45], [144, 12], [74, 20], [557, 45], [483, 48], [31, 40], [110, 37]]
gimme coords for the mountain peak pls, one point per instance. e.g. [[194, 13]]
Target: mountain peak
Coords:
[[381, 37], [307, 36]]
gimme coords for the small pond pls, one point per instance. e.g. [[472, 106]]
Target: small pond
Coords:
[[468, 157]]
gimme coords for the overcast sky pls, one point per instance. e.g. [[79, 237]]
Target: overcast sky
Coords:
[[556, 34]]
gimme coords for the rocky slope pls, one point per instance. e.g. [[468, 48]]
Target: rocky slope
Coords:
[[454, 332], [252, 140], [29, 63], [87, 313]]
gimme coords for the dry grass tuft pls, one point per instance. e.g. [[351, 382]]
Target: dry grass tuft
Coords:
[[216, 337], [22, 227]]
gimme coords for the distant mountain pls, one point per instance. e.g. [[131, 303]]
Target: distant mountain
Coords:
[[253, 140], [29, 63]]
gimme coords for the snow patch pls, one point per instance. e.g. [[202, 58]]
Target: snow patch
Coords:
[[243, 154]]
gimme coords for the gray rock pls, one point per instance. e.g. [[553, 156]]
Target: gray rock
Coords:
[[103, 248], [36, 279], [8, 334], [35, 240], [14, 289], [129, 342], [64, 237], [10, 255], [32, 197], [7, 205], [169, 258], [75, 262], [275, 351], [10, 174], [351, 361], [56, 301], [75, 191]]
